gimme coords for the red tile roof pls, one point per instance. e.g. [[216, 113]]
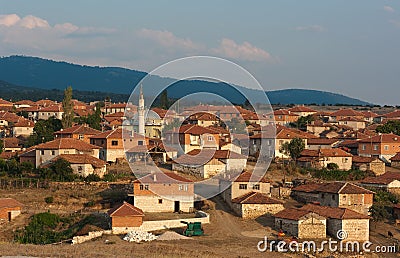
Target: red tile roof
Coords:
[[5, 102], [82, 159], [162, 178], [334, 212], [325, 153], [321, 141], [23, 122], [9, 203], [247, 176], [359, 159], [66, 143], [112, 134], [392, 115], [292, 214], [382, 138], [301, 109], [395, 158], [125, 210], [53, 108], [200, 157], [334, 187], [346, 112], [78, 129], [255, 198], [383, 179]]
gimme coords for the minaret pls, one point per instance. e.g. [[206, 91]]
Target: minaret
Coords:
[[141, 112]]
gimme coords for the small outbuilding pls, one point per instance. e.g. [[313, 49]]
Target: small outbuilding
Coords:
[[256, 204], [9, 209], [125, 217]]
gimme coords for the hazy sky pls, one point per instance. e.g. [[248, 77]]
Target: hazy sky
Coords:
[[348, 47]]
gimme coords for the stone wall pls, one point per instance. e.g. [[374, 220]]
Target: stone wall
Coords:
[[204, 218], [90, 236], [154, 203], [250, 211], [356, 229]]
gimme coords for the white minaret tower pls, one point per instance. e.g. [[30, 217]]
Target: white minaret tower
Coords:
[[141, 112]]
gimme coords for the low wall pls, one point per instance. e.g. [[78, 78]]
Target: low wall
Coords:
[[90, 236], [163, 224]]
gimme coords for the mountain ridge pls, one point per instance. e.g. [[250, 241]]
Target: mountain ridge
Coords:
[[45, 74]]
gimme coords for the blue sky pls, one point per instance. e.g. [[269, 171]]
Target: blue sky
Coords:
[[348, 47]]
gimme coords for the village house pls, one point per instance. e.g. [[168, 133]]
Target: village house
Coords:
[[11, 144], [23, 127], [45, 152], [318, 127], [383, 146], [84, 164], [112, 144], [125, 217], [395, 160], [355, 224], [163, 192], [203, 119], [23, 104], [369, 116], [243, 184], [192, 137], [322, 157], [79, 132], [8, 119], [355, 123], [336, 194], [255, 204], [394, 115], [302, 111], [372, 164], [390, 182], [51, 111], [9, 209], [207, 163], [5, 105], [345, 113], [321, 143], [33, 112], [302, 224], [284, 117]]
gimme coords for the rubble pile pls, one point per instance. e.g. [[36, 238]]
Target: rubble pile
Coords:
[[139, 236], [171, 235]]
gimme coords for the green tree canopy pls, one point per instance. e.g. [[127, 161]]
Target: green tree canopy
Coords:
[[293, 148], [389, 127], [44, 130]]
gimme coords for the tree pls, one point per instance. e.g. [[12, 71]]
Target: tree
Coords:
[[293, 148], [44, 130], [59, 170], [68, 107], [164, 101], [392, 126], [302, 122]]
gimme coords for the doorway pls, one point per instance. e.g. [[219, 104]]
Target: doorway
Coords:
[[177, 206]]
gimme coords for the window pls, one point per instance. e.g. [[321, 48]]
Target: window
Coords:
[[363, 147], [256, 187], [146, 187], [322, 196], [80, 137], [333, 197], [375, 147], [80, 168], [140, 143], [344, 197], [114, 143], [386, 147], [210, 138], [53, 152], [159, 201], [183, 188], [66, 152], [141, 187], [42, 152], [243, 186]]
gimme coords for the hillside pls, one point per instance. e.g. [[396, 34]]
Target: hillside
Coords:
[[46, 78]]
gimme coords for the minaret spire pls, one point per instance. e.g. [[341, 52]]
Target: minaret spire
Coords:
[[141, 112]]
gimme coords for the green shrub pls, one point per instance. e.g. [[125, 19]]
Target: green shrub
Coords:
[[332, 166], [49, 199]]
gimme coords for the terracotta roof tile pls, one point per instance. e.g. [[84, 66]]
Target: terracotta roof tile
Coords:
[[383, 138], [333, 187], [79, 129], [291, 214], [9, 203], [301, 109], [82, 159], [255, 198], [334, 212], [66, 143], [125, 210]]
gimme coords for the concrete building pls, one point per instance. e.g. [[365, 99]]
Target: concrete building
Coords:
[[112, 144], [23, 127], [51, 111], [84, 165], [322, 157], [383, 146], [163, 192]]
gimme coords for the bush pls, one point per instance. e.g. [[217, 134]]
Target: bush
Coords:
[[92, 178], [49, 199], [332, 166]]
